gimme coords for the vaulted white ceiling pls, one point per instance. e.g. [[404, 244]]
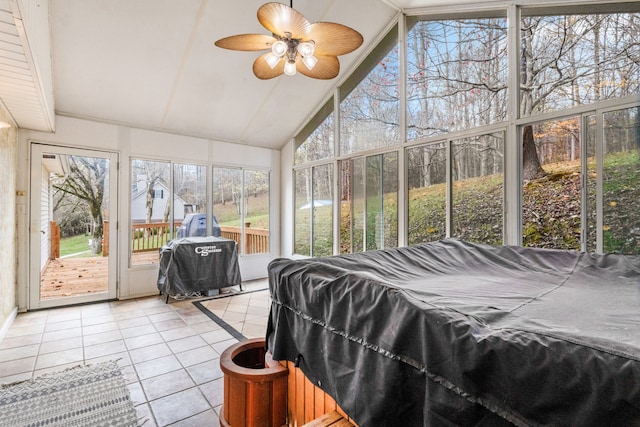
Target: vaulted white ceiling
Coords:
[[153, 64], [22, 90]]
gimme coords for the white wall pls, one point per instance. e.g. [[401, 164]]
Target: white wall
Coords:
[[138, 143], [11, 211]]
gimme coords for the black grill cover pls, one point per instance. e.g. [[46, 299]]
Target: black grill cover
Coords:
[[195, 264], [455, 333]]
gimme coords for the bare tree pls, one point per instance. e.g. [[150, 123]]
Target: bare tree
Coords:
[[572, 60], [457, 71], [456, 80], [86, 181]]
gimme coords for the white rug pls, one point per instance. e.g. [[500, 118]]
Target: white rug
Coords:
[[94, 395]]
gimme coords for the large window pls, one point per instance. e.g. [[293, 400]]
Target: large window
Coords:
[[352, 205], [427, 198], [557, 212], [478, 187], [369, 112], [475, 210], [591, 190], [314, 211], [382, 201], [620, 186], [322, 210], [150, 209], [241, 207], [318, 145], [256, 211], [170, 201], [571, 134], [302, 214], [369, 203], [570, 60], [621, 181], [551, 192], [190, 200], [456, 75], [227, 202]]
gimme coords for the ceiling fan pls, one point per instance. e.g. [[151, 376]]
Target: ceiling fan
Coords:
[[295, 44]]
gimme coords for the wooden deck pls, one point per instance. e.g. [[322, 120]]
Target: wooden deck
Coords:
[[74, 276], [149, 257], [66, 277]]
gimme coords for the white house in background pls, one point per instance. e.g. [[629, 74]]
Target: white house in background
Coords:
[[161, 195]]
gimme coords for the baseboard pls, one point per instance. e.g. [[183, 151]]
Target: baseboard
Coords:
[[7, 323]]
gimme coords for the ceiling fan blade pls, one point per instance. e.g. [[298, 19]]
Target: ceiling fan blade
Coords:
[[326, 68], [263, 71], [334, 39], [280, 19], [246, 42]]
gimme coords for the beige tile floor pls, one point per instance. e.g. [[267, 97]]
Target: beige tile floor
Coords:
[[169, 353]]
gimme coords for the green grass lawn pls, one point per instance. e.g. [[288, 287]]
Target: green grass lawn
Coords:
[[75, 245], [257, 212]]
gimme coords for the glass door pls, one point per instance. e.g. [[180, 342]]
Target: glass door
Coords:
[[72, 241]]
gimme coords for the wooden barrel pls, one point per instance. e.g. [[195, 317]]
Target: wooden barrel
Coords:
[[255, 386]]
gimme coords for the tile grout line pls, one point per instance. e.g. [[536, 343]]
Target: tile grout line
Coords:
[[224, 325]]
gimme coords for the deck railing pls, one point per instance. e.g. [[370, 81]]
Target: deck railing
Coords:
[[151, 237], [256, 240], [54, 233]]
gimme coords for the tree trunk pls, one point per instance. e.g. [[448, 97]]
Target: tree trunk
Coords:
[[167, 211], [531, 168], [346, 171], [149, 204]]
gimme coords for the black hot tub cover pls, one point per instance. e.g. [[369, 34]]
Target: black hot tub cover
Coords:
[[455, 333]]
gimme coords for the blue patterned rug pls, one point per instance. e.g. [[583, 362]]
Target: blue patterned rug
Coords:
[[94, 395]]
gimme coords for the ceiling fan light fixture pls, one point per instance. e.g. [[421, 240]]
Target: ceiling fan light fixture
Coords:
[[279, 48], [293, 38], [306, 48], [272, 60], [290, 68], [310, 61]]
